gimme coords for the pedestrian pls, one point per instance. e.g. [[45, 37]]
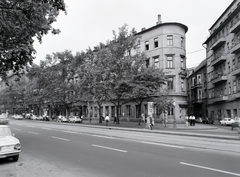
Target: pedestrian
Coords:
[[107, 119], [190, 120], [143, 118], [115, 119], [149, 123], [186, 120], [193, 120]]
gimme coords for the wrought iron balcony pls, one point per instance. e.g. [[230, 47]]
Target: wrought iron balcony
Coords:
[[219, 59], [235, 27]]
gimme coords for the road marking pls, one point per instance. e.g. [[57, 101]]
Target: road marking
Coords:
[[17, 129], [19, 124], [34, 133], [60, 138], [109, 137], [160, 144], [69, 131], [30, 126], [104, 147], [212, 169], [46, 128]]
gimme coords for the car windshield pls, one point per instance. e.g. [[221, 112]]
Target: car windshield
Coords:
[[5, 131]]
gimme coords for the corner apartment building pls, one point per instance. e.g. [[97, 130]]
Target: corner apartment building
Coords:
[[223, 64], [165, 47]]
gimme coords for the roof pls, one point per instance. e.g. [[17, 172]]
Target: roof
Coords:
[[164, 24]]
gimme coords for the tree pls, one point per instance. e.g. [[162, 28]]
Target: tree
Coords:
[[20, 22]]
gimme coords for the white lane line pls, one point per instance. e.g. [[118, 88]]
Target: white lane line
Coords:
[[160, 144], [60, 138], [65, 131], [46, 128], [30, 126], [104, 147], [109, 137], [17, 129], [212, 169], [34, 133]]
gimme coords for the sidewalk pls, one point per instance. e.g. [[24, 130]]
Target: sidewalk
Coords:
[[199, 130]]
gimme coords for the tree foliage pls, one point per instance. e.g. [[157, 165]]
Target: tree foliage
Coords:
[[20, 22]]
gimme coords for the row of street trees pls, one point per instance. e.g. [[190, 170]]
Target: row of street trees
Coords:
[[113, 72]]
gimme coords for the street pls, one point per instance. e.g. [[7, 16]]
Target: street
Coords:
[[65, 150]]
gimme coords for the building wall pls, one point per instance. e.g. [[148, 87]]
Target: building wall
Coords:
[[223, 61]]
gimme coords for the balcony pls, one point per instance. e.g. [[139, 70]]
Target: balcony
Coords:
[[198, 85], [235, 46], [220, 98], [197, 101], [219, 79], [236, 70], [218, 43], [237, 94], [236, 26], [218, 60]]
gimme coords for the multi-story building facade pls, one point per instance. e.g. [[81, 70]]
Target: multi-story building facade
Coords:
[[223, 64], [197, 91], [165, 47]]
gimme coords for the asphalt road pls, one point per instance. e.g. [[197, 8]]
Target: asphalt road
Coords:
[[60, 150]]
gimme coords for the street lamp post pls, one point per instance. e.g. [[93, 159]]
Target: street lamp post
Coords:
[[174, 118]]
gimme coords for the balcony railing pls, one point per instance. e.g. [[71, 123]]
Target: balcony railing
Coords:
[[236, 26], [218, 42], [219, 77], [236, 70], [218, 59], [235, 46]]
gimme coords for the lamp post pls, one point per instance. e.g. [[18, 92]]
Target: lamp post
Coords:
[[174, 118]]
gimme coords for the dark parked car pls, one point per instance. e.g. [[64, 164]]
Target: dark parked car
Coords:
[[206, 120]]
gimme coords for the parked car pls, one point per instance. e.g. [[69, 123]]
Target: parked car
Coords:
[[206, 120], [33, 117], [62, 119], [17, 116], [10, 146], [198, 120], [4, 119], [75, 119], [39, 118], [227, 121], [46, 118], [236, 123]]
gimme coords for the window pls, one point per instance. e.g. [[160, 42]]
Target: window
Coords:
[[147, 63], [234, 87], [155, 42], [170, 111], [182, 62], [229, 89], [169, 40], [156, 61], [128, 110], [169, 61], [182, 85], [147, 45], [182, 42], [170, 83]]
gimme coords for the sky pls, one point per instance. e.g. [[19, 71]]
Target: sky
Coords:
[[89, 22]]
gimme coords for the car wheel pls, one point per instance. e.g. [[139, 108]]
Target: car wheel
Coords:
[[15, 158]]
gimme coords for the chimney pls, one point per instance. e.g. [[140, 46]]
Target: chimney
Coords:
[[159, 19], [143, 28]]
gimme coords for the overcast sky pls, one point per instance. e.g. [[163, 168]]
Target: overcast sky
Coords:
[[89, 22]]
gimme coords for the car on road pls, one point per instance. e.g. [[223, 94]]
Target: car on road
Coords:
[[198, 120], [4, 119], [75, 119], [17, 117], [206, 120], [62, 119], [227, 121], [10, 146], [236, 123], [39, 118]]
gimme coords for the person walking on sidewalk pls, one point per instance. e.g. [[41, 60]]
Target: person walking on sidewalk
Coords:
[[107, 119], [150, 122]]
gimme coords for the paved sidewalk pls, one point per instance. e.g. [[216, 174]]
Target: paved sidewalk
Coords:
[[199, 130]]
